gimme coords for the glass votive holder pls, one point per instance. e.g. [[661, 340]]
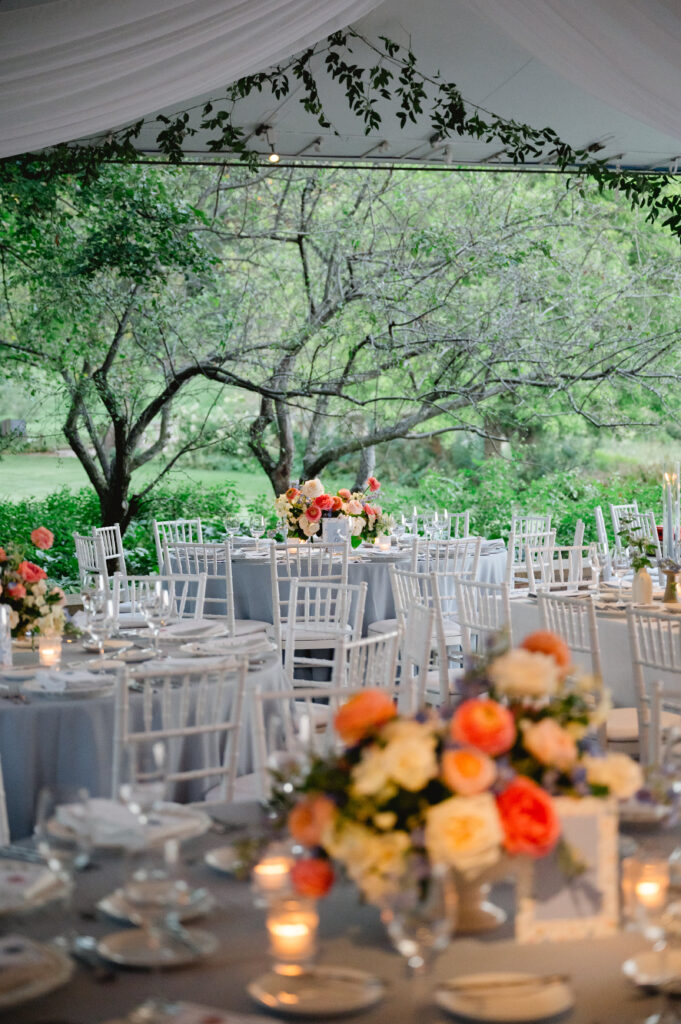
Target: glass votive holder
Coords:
[[49, 651], [645, 886], [383, 543], [271, 876], [292, 928]]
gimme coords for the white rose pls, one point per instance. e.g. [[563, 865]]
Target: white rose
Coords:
[[307, 527], [281, 505], [521, 673], [356, 525], [464, 832], [370, 775], [409, 756], [312, 488], [618, 772]]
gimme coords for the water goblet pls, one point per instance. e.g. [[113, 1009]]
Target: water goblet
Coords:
[[596, 569], [158, 610], [232, 524], [419, 915], [257, 527], [621, 564], [146, 786]]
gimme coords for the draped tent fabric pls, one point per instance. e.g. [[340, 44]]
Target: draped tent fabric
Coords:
[[73, 68], [625, 52]]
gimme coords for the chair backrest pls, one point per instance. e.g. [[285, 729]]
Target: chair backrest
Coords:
[[416, 651], [187, 593], [112, 545], [655, 639], [4, 822], [560, 568], [289, 726], [447, 632], [664, 744], [617, 514], [579, 533], [322, 561], [642, 525], [409, 588], [370, 662], [175, 531], [573, 619], [215, 562], [525, 530], [602, 536], [538, 565], [458, 524], [91, 560], [483, 610], [454, 557], [194, 712], [321, 614]]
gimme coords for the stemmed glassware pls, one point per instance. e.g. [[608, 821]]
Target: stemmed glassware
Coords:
[[257, 527], [597, 561], [420, 915], [147, 773], [620, 561], [232, 526], [158, 610]]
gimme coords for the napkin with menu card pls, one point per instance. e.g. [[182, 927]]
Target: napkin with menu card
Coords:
[[21, 962], [193, 1013]]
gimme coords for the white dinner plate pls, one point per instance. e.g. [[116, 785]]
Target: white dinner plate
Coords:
[[653, 967], [506, 997], [108, 645], [116, 905], [136, 655], [55, 970], [200, 629], [191, 823], [131, 949], [317, 991], [224, 859], [636, 812], [103, 687]]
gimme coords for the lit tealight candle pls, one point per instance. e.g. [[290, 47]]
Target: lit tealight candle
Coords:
[[383, 543], [271, 874], [49, 651], [292, 927], [645, 885], [651, 894]]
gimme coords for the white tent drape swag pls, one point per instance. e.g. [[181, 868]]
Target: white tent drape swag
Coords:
[[75, 68]]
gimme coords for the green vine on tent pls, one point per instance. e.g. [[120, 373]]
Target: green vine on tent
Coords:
[[393, 76]]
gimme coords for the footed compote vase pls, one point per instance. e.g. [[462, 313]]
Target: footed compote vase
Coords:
[[476, 913], [420, 915]]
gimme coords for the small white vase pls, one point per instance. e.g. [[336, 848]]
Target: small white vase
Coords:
[[642, 587]]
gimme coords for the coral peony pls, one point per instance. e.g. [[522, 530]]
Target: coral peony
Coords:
[[344, 493], [370, 510], [468, 771], [363, 713], [292, 493], [313, 513], [373, 483], [16, 590], [324, 502], [42, 538], [31, 573], [312, 877], [528, 817], [337, 503], [484, 724], [545, 642], [309, 819]]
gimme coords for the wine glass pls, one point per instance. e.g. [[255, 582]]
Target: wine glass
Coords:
[[232, 525], [596, 563], [621, 564], [146, 786], [158, 610], [256, 525], [419, 914], [68, 847], [102, 625]]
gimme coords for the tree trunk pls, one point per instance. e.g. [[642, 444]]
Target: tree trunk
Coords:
[[496, 443], [367, 465]]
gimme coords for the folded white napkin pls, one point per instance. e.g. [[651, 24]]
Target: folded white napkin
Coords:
[[160, 667], [69, 679], [191, 628], [247, 644], [131, 620]]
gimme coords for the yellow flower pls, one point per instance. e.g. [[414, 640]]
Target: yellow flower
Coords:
[[464, 832], [618, 772], [409, 756], [369, 776], [520, 673]]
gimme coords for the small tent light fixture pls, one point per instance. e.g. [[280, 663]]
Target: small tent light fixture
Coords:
[[447, 154], [266, 130]]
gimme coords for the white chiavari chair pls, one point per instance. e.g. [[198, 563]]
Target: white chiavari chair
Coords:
[[457, 524], [447, 637], [187, 594], [416, 652], [175, 531], [483, 611], [534, 530], [655, 639], [288, 562], [214, 561], [575, 621], [4, 822], [642, 525], [559, 568], [371, 662], [321, 615], [112, 546], [448, 557], [619, 513], [91, 561], [195, 713], [603, 541], [664, 743], [579, 533], [538, 565]]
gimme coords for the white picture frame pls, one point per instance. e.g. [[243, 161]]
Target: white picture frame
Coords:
[[551, 905], [335, 530]]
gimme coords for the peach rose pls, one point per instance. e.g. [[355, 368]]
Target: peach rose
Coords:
[[3, 555], [362, 713], [59, 593], [324, 502], [337, 503], [485, 724], [16, 590], [545, 642], [313, 513], [345, 494], [468, 771], [31, 573], [370, 510], [373, 483], [354, 507], [550, 744], [528, 818], [312, 877], [309, 819], [42, 538], [292, 493]]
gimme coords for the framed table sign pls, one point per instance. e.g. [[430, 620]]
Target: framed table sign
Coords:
[[572, 893], [335, 531]]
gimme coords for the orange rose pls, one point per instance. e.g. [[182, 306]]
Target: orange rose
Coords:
[[308, 820], [528, 817], [31, 573], [363, 713], [292, 493], [42, 538], [337, 503], [313, 513], [16, 590], [373, 483], [324, 502], [344, 493], [312, 877], [485, 724], [545, 642], [468, 771]]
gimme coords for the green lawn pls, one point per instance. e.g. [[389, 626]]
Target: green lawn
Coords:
[[34, 476]]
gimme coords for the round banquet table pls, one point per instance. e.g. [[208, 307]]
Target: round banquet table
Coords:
[[351, 935], [253, 588], [68, 742]]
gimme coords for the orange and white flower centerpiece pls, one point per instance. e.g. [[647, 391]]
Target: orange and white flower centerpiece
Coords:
[[35, 606], [306, 506], [458, 787]]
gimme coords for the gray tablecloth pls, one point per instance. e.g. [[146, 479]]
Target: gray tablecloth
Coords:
[[351, 936], [57, 741]]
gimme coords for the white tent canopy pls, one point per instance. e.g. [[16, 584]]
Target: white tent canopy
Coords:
[[604, 74]]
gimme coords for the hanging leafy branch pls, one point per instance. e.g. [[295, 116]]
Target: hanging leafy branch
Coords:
[[394, 77]]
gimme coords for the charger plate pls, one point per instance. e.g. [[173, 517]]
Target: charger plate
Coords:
[[317, 991]]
